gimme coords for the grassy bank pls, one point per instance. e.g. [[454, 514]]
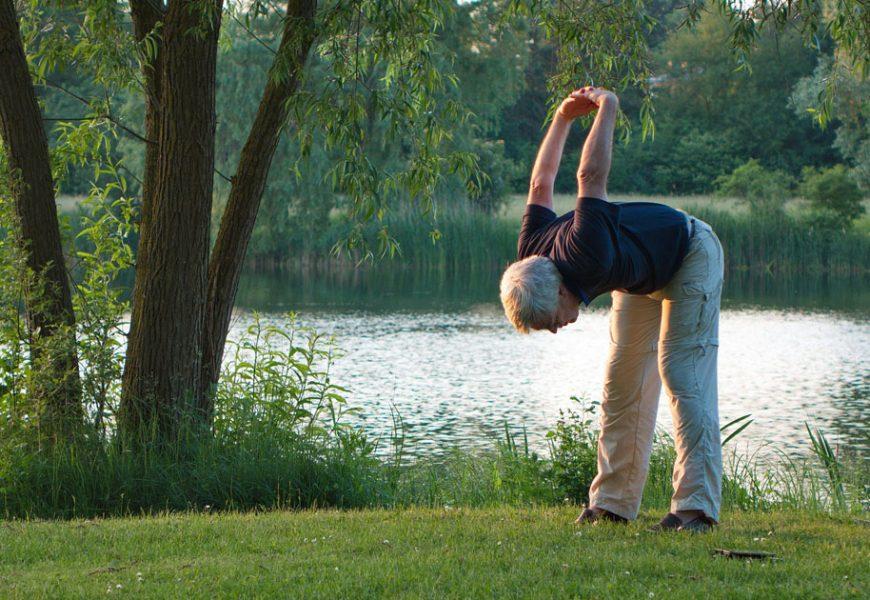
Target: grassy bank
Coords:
[[472, 241], [430, 553], [287, 469], [783, 244]]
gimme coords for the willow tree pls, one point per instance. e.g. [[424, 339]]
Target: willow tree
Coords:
[[47, 297], [375, 59]]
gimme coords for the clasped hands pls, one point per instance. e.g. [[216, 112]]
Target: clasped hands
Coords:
[[584, 101]]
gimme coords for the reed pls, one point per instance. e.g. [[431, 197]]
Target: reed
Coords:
[[784, 243]]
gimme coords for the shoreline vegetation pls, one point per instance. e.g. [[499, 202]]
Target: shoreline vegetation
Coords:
[[284, 438], [786, 243]]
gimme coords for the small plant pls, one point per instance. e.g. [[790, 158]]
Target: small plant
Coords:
[[833, 195], [832, 465], [743, 424], [764, 191], [276, 384], [574, 450], [103, 255]]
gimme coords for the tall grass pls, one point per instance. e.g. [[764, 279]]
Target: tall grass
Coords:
[[785, 243], [281, 438]]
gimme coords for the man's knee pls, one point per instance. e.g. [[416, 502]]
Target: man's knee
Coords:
[[677, 367], [630, 371]]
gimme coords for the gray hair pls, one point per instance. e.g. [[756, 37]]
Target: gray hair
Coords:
[[530, 292]]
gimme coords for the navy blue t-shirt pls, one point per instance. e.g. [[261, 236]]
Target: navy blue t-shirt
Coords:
[[602, 246]]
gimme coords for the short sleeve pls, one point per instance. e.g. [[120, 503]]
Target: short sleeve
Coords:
[[535, 221]]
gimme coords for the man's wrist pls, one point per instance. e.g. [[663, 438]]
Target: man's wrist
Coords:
[[563, 118], [609, 101]]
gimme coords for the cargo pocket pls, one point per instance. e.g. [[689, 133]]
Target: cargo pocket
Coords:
[[707, 328], [678, 368]]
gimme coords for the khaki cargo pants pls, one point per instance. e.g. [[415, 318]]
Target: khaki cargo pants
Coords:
[[670, 336]]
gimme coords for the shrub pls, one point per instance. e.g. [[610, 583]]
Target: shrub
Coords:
[[833, 195], [574, 451], [691, 162], [764, 191], [499, 170], [282, 438]]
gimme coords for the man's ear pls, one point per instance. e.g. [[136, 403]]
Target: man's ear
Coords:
[[562, 289]]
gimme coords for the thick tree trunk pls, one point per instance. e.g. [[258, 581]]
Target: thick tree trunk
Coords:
[[47, 300], [161, 375], [247, 189]]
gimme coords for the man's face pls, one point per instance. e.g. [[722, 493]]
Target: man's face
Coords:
[[567, 311]]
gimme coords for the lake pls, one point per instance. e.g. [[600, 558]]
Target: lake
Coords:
[[436, 346]]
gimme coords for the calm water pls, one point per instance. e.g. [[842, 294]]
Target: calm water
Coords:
[[438, 348]]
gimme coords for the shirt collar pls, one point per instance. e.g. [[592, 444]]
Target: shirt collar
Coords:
[[577, 291]]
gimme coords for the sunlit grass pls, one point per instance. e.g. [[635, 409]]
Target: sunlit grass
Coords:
[[442, 552], [562, 203], [774, 244], [471, 239]]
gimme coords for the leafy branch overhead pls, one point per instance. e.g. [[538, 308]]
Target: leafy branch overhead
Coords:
[[379, 62], [382, 64]]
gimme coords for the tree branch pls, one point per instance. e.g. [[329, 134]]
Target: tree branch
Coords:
[[253, 35], [112, 120]]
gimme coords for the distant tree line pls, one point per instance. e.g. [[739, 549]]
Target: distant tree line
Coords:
[[712, 115]]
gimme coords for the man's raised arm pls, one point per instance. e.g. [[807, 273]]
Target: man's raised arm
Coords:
[[550, 153], [597, 150]]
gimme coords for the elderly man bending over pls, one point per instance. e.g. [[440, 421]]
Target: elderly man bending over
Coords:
[[664, 272]]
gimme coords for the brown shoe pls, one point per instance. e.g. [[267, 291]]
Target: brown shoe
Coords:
[[670, 522], [698, 525], [590, 516]]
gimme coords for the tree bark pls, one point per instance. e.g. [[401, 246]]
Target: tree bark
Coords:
[[247, 190], [161, 374], [47, 298], [147, 17]]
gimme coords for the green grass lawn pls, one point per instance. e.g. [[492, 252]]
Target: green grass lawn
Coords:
[[459, 553]]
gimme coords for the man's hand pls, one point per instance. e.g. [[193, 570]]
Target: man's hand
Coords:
[[597, 96], [584, 101], [576, 105]]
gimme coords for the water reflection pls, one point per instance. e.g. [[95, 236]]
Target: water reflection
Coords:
[[388, 288], [438, 348]]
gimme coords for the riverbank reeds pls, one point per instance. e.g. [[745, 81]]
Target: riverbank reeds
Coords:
[[469, 239]]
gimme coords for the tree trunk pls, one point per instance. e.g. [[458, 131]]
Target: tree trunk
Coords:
[[249, 181], [161, 375], [148, 15], [50, 318]]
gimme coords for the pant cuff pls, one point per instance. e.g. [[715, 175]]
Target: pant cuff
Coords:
[[708, 509], [617, 509]]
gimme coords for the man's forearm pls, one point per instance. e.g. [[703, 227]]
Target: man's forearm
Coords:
[[548, 159], [597, 150]]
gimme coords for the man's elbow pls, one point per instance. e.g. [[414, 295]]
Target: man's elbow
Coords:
[[591, 175], [541, 186], [541, 191], [592, 183]]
